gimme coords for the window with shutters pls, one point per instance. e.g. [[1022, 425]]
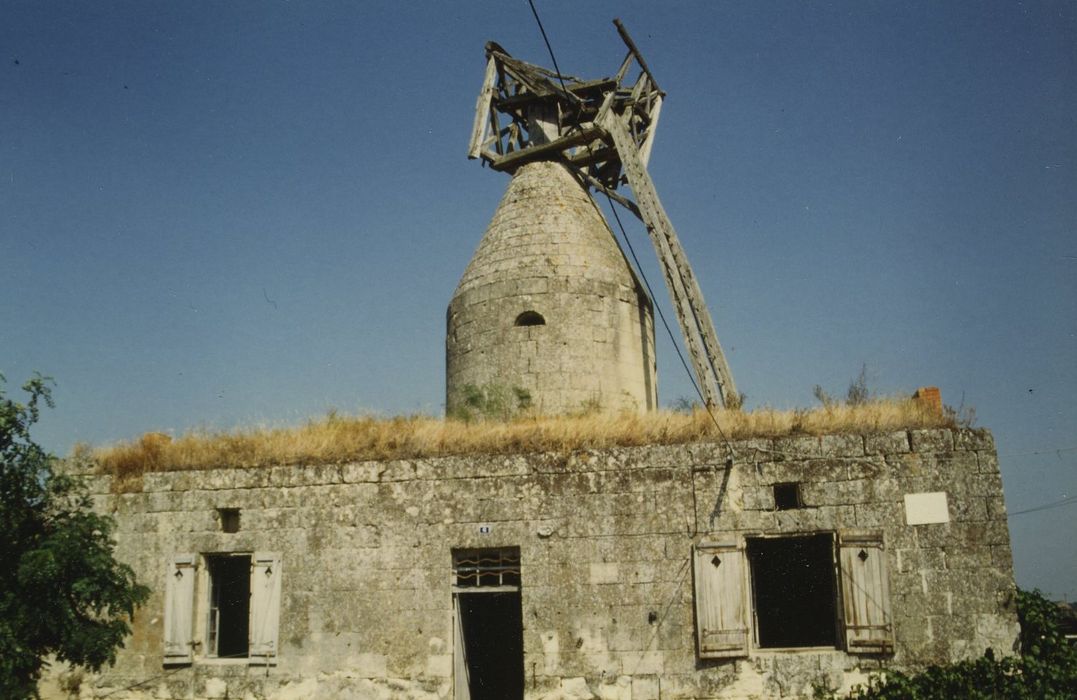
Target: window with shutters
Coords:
[[222, 606], [792, 591]]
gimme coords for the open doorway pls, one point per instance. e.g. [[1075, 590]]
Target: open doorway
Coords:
[[489, 645]]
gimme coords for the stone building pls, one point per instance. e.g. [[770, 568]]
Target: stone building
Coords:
[[761, 568], [549, 307], [751, 569]]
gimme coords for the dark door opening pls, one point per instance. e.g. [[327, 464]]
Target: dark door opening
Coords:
[[229, 606], [794, 590], [489, 625], [491, 628]]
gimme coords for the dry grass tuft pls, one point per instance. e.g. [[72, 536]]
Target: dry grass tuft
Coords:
[[334, 439]]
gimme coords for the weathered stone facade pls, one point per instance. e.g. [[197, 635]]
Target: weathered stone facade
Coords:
[[605, 544], [549, 305]]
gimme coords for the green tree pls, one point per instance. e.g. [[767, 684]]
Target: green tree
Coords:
[[62, 592]]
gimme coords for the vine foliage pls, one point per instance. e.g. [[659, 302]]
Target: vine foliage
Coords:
[[1046, 668]]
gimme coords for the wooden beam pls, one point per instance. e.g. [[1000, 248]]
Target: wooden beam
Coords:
[[712, 370], [615, 196], [589, 156], [635, 52], [482, 110], [516, 159], [648, 141]]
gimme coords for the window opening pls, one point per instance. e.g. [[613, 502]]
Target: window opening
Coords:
[[486, 567], [794, 592], [228, 626], [229, 518], [530, 318], [489, 647], [787, 496]]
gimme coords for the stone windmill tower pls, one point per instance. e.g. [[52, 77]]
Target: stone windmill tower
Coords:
[[549, 308]]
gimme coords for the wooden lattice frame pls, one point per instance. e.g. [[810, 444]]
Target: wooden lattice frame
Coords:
[[603, 130]]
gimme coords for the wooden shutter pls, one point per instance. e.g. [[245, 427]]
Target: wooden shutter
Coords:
[[721, 600], [179, 609], [265, 607], [865, 592]]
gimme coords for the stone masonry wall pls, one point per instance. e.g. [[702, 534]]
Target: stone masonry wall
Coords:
[[549, 251], [606, 579]]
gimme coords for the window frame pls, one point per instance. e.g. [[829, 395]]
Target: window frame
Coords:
[[857, 581], [506, 568], [210, 640], [187, 607]]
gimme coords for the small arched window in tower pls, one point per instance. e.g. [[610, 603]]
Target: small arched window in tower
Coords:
[[530, 318]]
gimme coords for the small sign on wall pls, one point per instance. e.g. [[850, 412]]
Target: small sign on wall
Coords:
[[484, 529], [926, 508]]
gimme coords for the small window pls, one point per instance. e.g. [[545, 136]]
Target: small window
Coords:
[[474, 568], [530, 318], [229, 518], [787, 496], [228, 624], [794, 591]]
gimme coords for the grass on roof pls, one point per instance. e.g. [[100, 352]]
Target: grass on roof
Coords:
[[334, 439]]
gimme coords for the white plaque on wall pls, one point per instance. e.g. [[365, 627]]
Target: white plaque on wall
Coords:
[[926, 508]]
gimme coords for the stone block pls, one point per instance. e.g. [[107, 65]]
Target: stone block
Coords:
[[841, 445], [968, 507], [645, 687], [987, 462], [805, 520], [896, 442], [634, 663], [439, 665], [575, 689], [604, 573], [757, 498], [797, 448], [879, 514], [973, 439], [620, 688], [830, 493], [360, 472], [935, 440]]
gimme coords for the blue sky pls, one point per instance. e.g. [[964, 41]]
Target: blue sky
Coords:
[[227, 214]]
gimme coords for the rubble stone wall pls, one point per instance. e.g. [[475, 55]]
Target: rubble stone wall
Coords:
[[605, 539]]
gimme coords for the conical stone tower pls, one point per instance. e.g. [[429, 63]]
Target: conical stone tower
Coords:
[[548, 308]]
